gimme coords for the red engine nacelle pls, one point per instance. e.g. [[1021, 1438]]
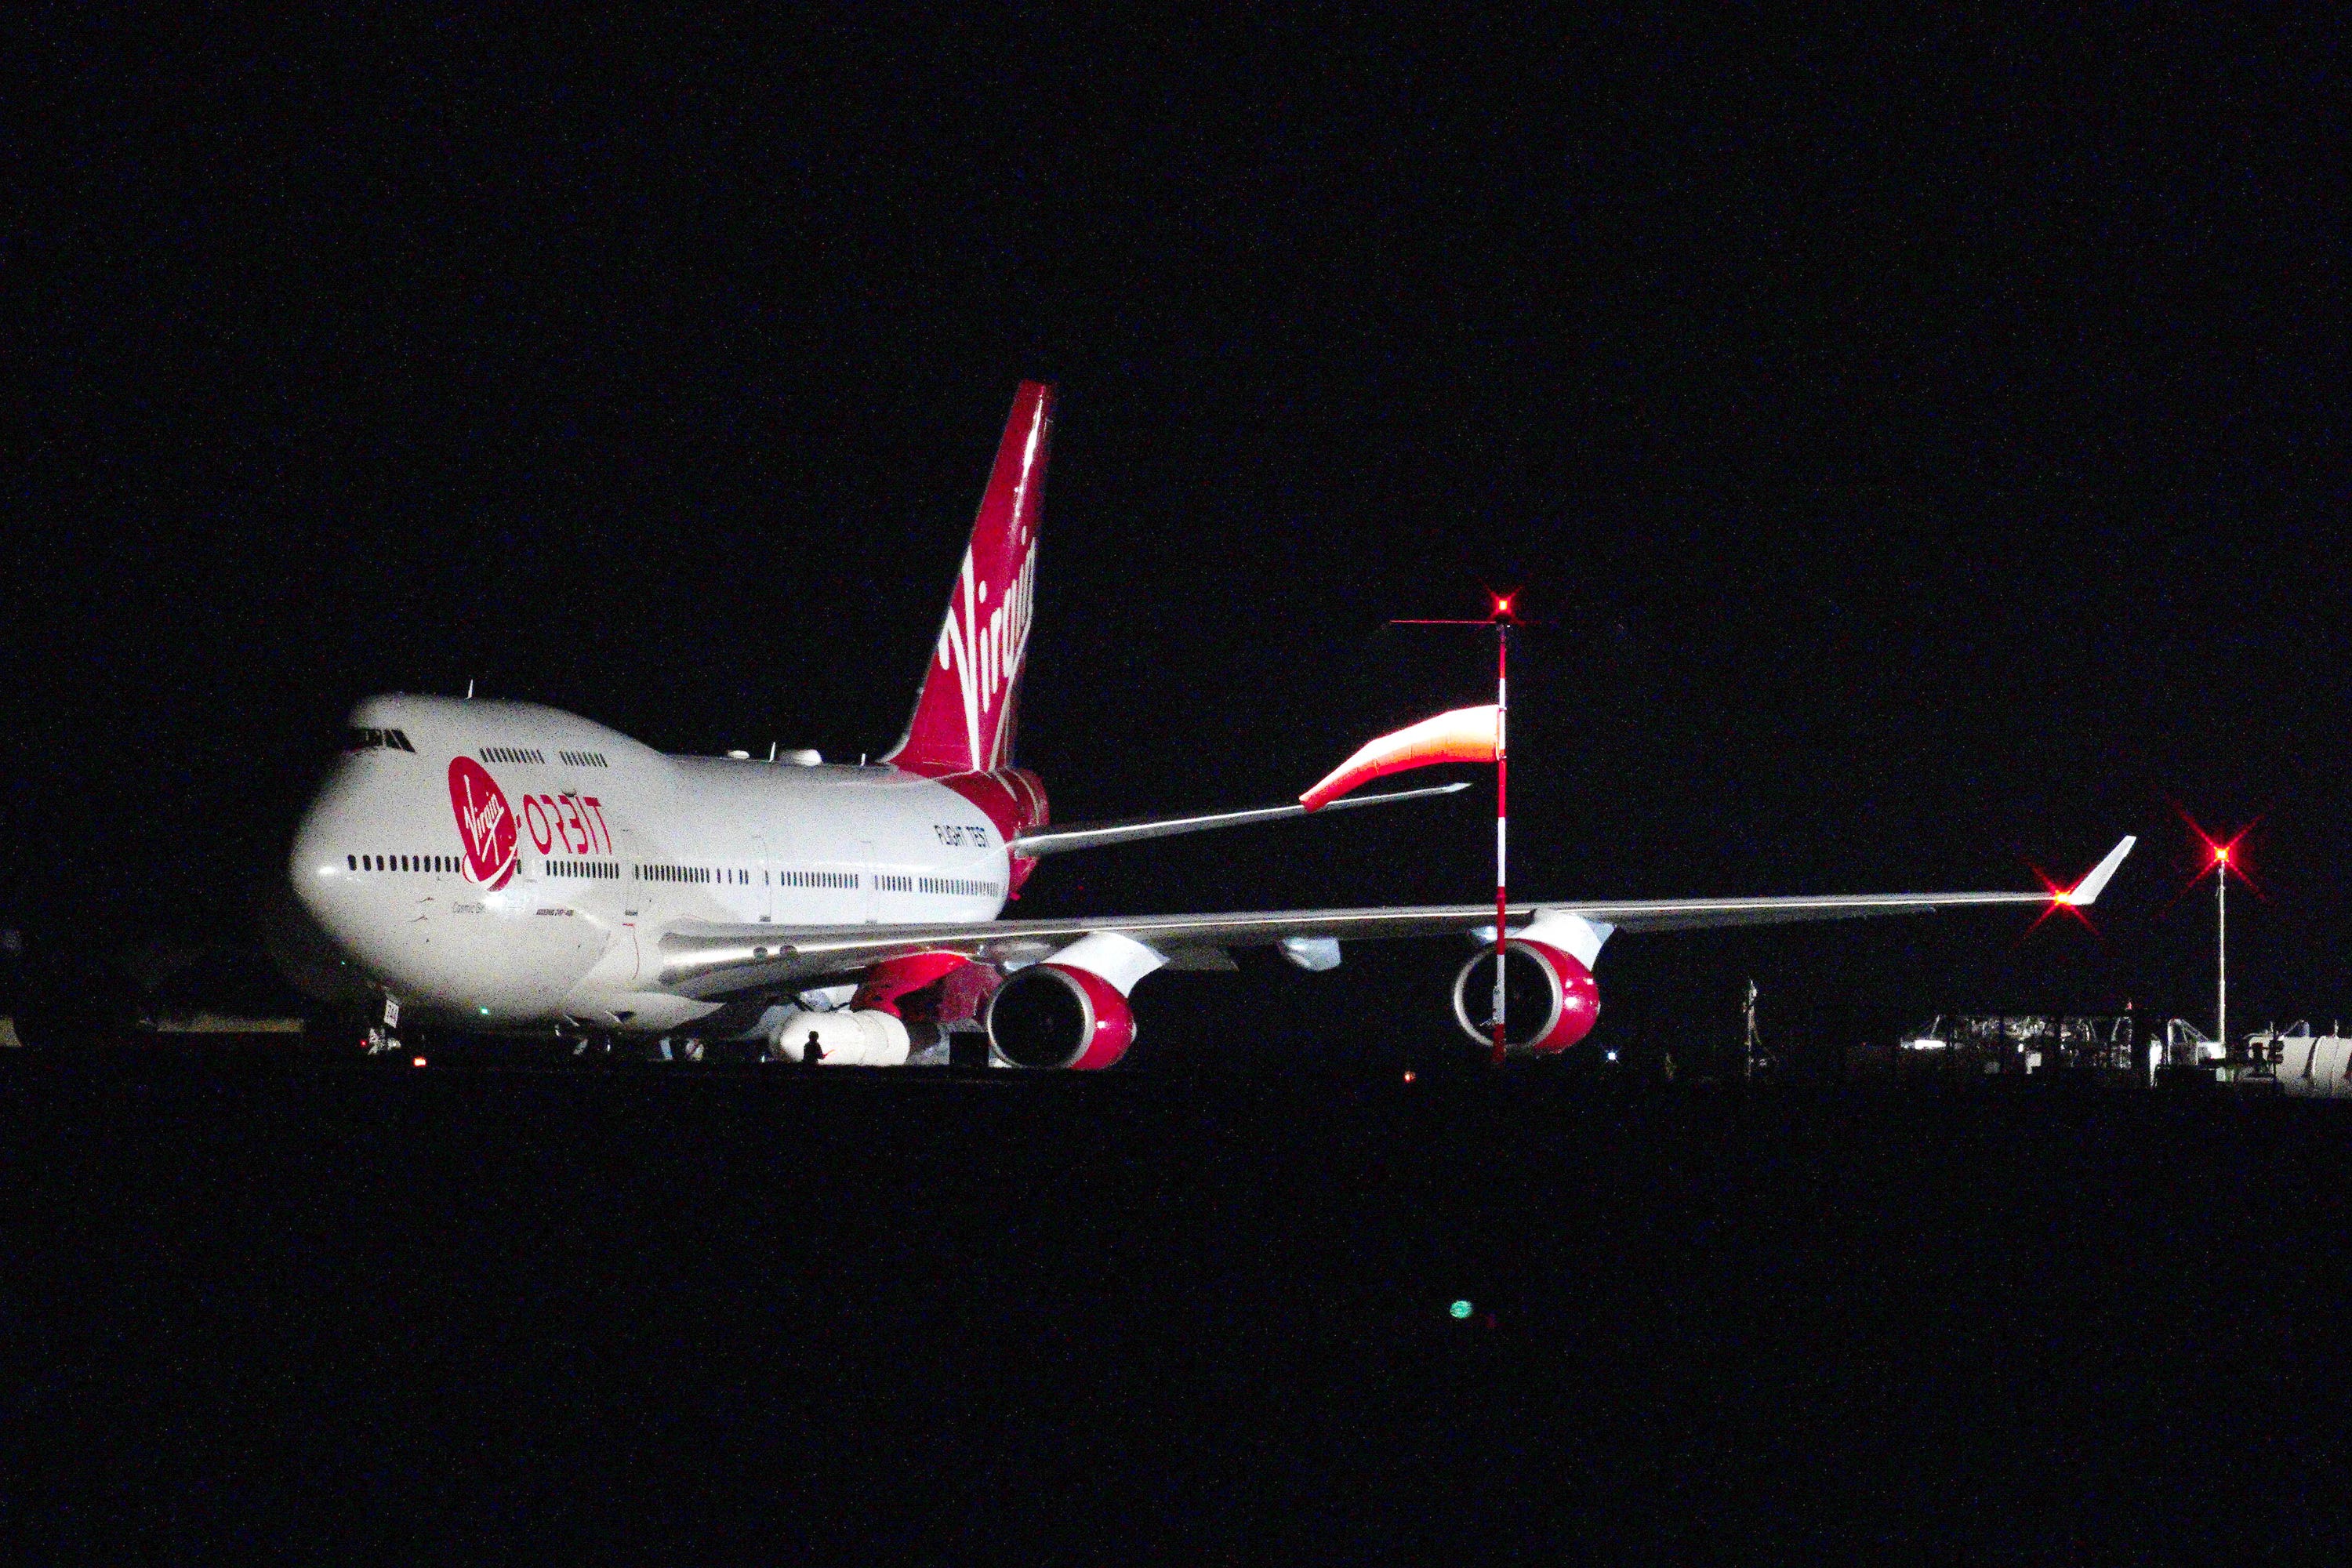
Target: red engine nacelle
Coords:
[[1054, 1016], [1550, 999]]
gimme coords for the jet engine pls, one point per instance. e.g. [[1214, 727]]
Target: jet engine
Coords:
[[1048, 1016], [1070, 1011], [1550, 999]]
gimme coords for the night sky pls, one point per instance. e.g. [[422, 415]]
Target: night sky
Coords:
[[1925, 447]]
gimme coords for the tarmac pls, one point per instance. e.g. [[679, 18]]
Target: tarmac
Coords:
[[259, 1300]]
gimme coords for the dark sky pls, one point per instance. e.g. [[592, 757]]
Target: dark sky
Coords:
[[1927, 446]]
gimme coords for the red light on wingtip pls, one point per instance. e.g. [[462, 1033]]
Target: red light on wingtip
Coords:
[[2060, 899]]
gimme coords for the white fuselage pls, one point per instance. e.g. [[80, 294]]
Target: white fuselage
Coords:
[[542, 899]]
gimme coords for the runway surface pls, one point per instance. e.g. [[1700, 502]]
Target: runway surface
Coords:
[[253, 1302]]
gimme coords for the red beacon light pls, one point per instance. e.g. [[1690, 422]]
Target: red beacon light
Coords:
[[2223, 867]]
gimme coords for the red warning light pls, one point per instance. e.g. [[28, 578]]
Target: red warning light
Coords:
[[417, 1063], [2060, 899], [2223, 855]]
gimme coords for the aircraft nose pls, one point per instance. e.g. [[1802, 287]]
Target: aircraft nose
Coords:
[[319, 864]]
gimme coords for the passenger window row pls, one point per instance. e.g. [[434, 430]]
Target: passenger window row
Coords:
[[962, 887], [513, 754], [734, 875], [584, 759], [817, 878], [430, 864], [449, 865]]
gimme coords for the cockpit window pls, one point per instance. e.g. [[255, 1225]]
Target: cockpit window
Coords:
[[359, 739]]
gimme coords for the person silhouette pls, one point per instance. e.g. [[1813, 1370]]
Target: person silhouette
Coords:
[[814, 1052]]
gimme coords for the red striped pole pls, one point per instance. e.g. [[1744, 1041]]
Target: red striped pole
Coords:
[[1502, 619], [1502, 818]]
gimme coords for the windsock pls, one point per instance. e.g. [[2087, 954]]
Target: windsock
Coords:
[[1464, 735]]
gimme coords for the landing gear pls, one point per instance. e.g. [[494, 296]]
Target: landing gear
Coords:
[[382, 1040]]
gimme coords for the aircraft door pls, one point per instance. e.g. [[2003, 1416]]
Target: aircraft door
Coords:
[[869, 892], [763, 906], [637, 898]]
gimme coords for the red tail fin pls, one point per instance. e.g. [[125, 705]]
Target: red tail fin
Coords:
[[964, 716]]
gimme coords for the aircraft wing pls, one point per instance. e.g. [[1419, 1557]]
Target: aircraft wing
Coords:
[[1094, 835], [710, 961]]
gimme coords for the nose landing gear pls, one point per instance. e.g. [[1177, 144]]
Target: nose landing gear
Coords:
[[380, 1039]]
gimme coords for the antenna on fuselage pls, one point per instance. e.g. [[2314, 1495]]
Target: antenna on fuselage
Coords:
[[772, 751], [469, 691]]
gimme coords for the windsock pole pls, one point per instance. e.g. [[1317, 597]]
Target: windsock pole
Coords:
[[1458, 736], [1502, 815]]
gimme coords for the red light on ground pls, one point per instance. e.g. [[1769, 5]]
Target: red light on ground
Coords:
[[418, 1062], [1407, 1077]]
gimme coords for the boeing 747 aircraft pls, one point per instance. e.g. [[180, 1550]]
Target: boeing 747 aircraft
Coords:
[[498, 866]]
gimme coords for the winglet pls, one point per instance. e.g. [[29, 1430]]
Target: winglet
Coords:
[[2087, 891]]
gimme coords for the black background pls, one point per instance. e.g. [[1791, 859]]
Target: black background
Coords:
[[1922, 442]]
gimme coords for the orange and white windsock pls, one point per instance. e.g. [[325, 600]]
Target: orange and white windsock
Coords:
[[1464, 735]]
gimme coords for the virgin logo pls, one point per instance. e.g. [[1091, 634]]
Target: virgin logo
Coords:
[[484, 820], [984, 644]]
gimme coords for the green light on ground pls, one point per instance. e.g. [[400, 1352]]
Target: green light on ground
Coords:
[[1459, 1309]]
